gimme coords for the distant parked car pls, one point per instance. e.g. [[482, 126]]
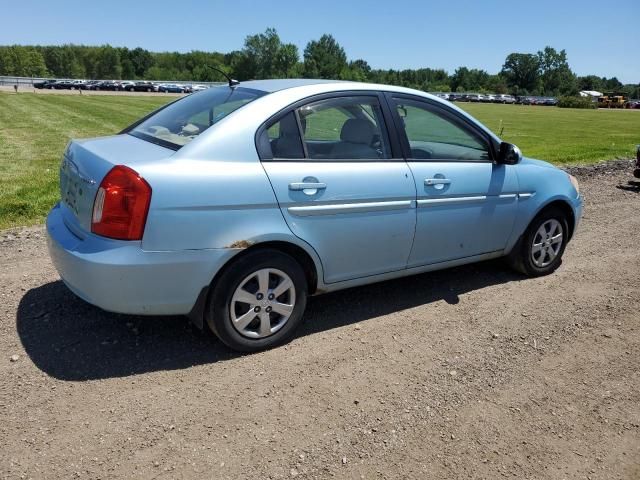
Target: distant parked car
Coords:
[[63, 85], [78, 84], [198, 88], [233, 204], [92, 84], [473, 97], [503, 98], [48, 84], [144, 87], [549, 101], [109, 85], [171, 88], [127, 86], [488, 98]]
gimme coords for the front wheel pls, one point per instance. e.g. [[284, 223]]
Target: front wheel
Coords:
[[539, 250], [258, 302]]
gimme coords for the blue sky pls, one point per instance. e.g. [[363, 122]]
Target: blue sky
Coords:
[[389, 34]]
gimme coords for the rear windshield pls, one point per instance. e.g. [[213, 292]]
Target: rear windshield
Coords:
[[182, 121]]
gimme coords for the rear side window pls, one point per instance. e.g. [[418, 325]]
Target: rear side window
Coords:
[[182, 121], [434, 134], [284, 138]]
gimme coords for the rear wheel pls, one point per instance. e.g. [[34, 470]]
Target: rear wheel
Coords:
[[258, 302], [539, 250]]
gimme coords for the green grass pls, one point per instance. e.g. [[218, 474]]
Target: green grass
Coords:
[[563, 135], [34, 130]]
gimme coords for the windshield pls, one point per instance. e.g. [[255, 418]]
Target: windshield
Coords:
[[182, 121]]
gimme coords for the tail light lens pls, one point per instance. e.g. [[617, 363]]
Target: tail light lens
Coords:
[[121, 205]]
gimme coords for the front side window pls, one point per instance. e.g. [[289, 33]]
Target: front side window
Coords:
[[344, 128], [434, 134], [182, 121]]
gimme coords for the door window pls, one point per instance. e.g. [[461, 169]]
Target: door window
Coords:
[[284, 138], [435, 134], [344, 128]]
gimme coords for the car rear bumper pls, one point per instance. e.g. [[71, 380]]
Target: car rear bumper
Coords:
[[119, 276]]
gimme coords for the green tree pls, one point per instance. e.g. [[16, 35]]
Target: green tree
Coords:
[[108, 63], [522, 72], [467, 80], [324, 58], [557, 78], [22, 62], [142, 60], [265, 56], [357, 71], [590, 82]]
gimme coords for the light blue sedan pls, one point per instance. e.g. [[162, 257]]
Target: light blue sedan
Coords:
[[233, 204]]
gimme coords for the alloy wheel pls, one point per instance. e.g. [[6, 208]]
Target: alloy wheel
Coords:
[[547, 243], [262, 303]]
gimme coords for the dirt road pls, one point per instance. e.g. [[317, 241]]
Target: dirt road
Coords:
[[473, 372]]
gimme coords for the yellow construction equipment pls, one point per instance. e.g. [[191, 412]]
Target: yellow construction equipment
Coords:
[[612, 100]]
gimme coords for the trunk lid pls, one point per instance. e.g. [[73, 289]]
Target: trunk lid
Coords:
[[86, 162]]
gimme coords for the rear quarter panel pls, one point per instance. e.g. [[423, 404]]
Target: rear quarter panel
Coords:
[[202, 204]]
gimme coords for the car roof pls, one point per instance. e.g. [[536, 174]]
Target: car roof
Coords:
[[277, 85], [271, 86]]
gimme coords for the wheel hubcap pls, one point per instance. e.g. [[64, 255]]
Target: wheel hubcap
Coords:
[[547, 243], [262, 303]]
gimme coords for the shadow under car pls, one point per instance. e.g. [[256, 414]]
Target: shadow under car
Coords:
[[72, 340]]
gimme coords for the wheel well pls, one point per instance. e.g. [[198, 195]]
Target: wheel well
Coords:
[[566, 209], [198, 312], [298, 253]]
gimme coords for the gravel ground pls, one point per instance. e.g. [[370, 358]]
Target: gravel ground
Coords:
[[473, 372]]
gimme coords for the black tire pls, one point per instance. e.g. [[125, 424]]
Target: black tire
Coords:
[[521, 257], [218, 311]]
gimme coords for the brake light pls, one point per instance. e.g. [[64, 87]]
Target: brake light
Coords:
[[121, 205]]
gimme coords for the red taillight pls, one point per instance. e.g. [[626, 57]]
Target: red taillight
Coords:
[[121, 205]]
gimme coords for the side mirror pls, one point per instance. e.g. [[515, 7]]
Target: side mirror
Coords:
[[509, 154]]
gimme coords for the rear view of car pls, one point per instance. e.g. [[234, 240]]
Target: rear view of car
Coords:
[[108, 188]]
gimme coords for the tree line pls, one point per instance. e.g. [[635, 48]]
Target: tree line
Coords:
[[265, 55]]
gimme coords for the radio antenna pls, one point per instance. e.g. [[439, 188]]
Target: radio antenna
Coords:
[[232, 81]]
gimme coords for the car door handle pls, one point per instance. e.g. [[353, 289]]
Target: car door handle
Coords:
[[436, 181], [297, 186]]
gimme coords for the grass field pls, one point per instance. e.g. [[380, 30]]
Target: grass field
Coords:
[[34, 130]]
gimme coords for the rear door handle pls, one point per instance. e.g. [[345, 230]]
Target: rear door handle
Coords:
[[297, 186], [436, 181]]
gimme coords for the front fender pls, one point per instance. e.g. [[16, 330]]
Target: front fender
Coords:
[[541, 184]]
